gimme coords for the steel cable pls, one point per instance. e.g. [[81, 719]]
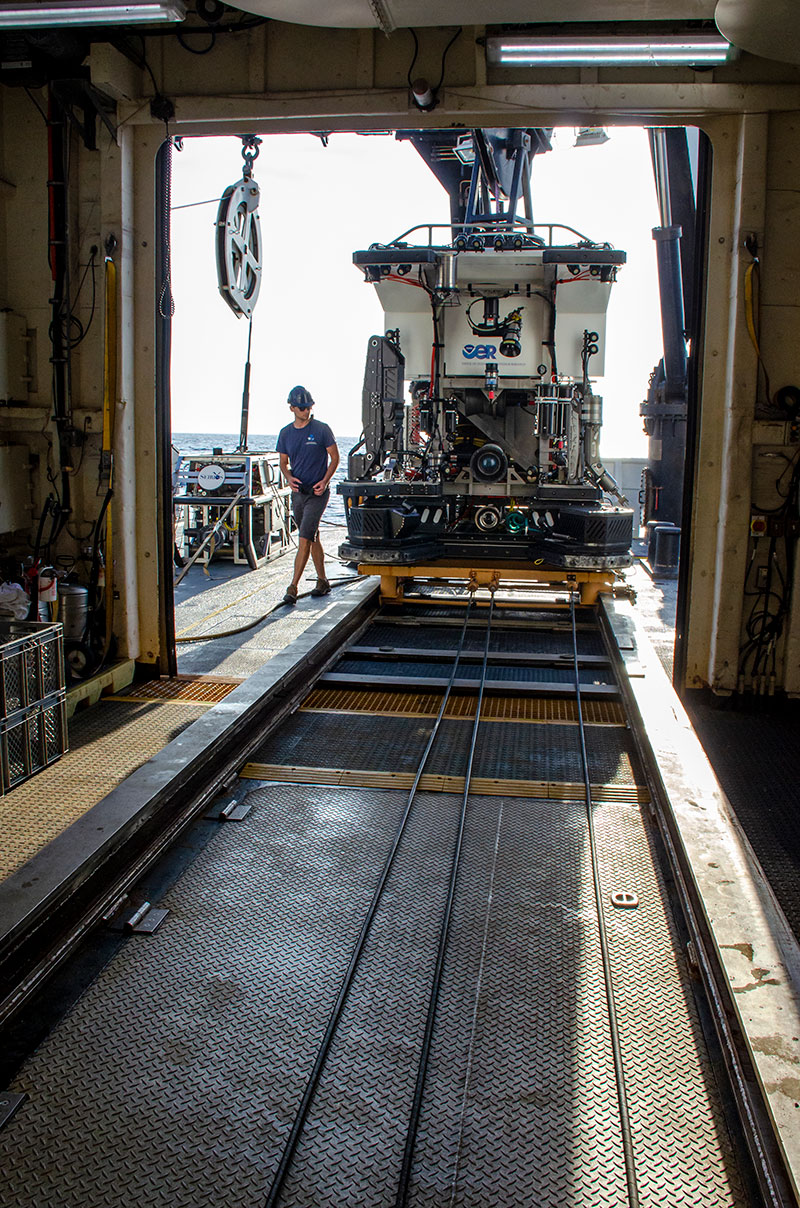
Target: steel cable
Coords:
[[312, 1082], [619, 1072]]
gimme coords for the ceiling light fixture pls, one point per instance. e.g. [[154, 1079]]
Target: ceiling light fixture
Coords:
[[90, 12], [590, 136], [659, 50]]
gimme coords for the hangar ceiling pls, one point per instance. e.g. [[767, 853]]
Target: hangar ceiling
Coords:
[[400, 14]]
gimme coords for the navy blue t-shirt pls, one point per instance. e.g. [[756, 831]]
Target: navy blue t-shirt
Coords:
[[307, 449]]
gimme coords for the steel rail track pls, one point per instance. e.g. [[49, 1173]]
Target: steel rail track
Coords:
[[619, 1071], [404, 1181], [315, 1075], [403, 1187]]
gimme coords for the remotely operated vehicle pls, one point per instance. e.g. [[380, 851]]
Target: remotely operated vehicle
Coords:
[[481, 426]]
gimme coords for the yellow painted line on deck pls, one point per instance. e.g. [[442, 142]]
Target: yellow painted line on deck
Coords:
[[625, 794]]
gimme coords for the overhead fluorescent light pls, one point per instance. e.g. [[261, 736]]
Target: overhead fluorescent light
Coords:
[[658, 50], [90, 12], [590, 136]]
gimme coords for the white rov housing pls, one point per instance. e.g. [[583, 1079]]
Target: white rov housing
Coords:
[[524, 280]]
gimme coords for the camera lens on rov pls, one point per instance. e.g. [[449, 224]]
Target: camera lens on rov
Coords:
[[489, 463]]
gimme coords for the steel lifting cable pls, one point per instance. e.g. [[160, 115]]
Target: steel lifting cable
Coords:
[[401, 1199], [312, 1082], [619, 1073]]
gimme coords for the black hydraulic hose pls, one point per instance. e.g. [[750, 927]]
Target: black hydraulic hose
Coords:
[[49, 505], [404, 1181], [164, 310], [94, 576], [619, 1073], [229, 633], [312, 1082]]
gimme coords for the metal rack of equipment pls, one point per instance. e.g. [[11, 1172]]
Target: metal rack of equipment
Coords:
[[248, 486], [33, 710]]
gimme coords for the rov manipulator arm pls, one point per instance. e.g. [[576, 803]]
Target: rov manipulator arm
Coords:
[[381, 406]]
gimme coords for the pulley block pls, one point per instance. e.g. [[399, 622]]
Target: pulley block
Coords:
[[239, 247]]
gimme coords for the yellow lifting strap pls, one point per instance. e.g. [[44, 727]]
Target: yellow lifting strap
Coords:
[[749, 310]]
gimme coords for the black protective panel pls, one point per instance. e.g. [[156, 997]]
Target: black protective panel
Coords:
[[516, 641], [472, 671]]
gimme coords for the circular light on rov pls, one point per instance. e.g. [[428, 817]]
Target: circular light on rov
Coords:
[[210, 477], [489, 463], [487, 519]]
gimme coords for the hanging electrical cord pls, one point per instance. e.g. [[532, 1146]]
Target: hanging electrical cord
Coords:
[[205, 50], [58, 157], [752, 290], [426, 96]]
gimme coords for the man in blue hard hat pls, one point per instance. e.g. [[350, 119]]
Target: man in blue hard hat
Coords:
[[308, 458]]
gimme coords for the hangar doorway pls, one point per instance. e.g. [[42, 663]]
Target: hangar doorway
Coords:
[[316, 314]]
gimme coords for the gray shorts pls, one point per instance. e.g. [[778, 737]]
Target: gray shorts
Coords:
[[307, 511]]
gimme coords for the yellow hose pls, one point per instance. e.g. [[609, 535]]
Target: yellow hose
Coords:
[[749, 310]]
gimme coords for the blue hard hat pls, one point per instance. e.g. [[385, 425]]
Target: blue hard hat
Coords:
[[300, 397]]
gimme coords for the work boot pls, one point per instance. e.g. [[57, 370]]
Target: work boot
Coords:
[[322, 588], [291, 594]]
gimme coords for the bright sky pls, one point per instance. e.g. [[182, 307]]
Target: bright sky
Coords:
[[315, 313]]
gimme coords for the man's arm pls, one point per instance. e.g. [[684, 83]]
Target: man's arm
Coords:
[[333, 461], [293, 482]]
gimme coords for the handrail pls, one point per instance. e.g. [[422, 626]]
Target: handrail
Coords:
[[484, 226]]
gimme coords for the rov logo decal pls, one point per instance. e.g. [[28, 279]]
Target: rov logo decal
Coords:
[[210, 477], [479, 352]]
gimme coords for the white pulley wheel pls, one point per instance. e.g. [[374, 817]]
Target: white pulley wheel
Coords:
[[239, 246]]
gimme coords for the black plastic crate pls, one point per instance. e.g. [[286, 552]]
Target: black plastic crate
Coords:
[[32, 738], [31, 663]]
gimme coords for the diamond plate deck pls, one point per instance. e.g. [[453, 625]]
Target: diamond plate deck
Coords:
[[107, 743], [505, 750], [193, 689], [173, 1082]]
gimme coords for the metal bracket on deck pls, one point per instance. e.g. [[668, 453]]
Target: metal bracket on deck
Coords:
[[228, 809], [10, 1103], [135, 918]]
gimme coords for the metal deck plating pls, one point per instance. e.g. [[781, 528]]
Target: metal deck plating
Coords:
[[197, 1043], [198, 1040]]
